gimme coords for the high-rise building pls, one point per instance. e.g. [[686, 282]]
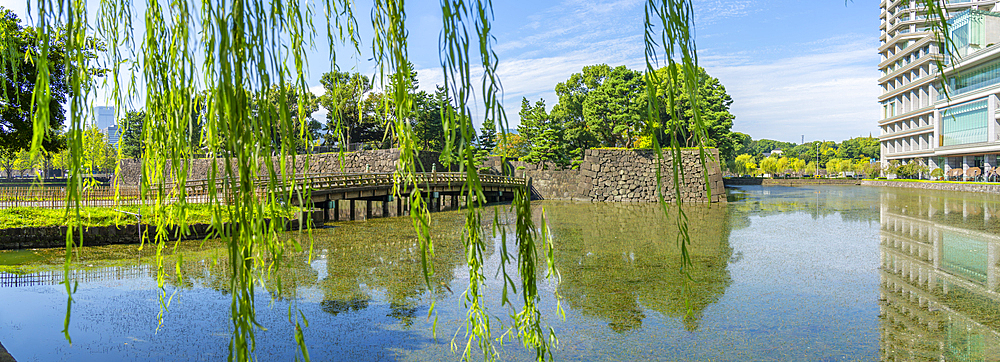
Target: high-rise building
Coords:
[[104, 119], [113, 134], [948, 128]]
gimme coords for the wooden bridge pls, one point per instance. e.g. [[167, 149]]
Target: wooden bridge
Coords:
[[326, 192]]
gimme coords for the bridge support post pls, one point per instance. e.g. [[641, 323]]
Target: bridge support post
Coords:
[[399, 206], [336, 210], [326, 209], [454, 202], [352, 209], [368, 209], [385, 207]]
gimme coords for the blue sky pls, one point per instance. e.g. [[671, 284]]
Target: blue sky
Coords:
[[792, 67]]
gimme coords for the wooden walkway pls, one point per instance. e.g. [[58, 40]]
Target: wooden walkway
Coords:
[[318, 188]]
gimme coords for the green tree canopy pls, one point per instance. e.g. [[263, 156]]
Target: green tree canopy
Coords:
[[713, 102], [614, 108], [545, 135], [131, 142], [343, 99], [605, 107], [427, 120], [291, 101], [17, 80]]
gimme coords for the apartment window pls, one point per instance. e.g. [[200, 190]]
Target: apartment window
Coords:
[[965, 123]]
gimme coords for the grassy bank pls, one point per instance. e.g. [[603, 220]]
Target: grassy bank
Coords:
[[101, 216]]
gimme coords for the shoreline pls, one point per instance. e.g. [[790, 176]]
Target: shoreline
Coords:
[[55, 236], [988, 188], [787, 181]]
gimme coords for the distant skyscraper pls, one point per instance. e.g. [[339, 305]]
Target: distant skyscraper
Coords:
[[919, 122], [105, 117], [113, 134], [105, 121]]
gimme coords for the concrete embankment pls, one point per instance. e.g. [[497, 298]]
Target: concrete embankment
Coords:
[[788, 181], [55, 236], [942, 186]]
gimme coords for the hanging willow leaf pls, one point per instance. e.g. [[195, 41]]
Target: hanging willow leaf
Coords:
[[204, 71]]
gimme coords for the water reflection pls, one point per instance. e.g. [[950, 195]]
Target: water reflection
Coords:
[[850, 203], [620, 261], [362, 291], [940, 256]]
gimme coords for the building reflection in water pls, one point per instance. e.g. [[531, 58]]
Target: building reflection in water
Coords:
[[940, 270]]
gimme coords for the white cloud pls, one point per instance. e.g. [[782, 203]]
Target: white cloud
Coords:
[[536, 78], [828, 94], [708, 12]]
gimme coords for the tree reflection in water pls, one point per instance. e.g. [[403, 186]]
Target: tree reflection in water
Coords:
[[382, 255], [618, 261]]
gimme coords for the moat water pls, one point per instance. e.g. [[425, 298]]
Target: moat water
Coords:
[[779, 274]]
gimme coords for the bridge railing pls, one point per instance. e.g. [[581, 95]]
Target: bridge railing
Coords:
[[354, 180], [198, 190]]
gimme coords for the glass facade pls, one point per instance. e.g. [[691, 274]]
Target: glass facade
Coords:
[[974, 79], [965, 123], [965, 256]]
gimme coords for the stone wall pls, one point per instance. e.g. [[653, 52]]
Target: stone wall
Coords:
[[622, 175], [944, 186], [359, 161]]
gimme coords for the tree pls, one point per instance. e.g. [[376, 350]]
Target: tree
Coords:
[[131, 143], [713, 104], [24, 161], [742, 144], [837, 165], [568, 112], [773, 165], [812, 166], [861, 148], [869, 169], [98, 155], [488, 137], [427, 123], [8, 158], [513, 147], [614, 109], [798, 165], [937, 173], [744, 165], [544, 135], [291, 101], [343, 99], [18, 76]]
